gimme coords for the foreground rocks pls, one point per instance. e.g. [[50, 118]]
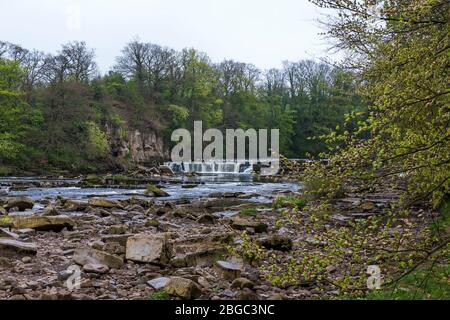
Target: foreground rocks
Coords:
[[93, 258], [9, 247], [144, 247], [149, 248]]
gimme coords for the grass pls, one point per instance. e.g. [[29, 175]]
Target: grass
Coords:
[[158, 295], [289, 202], [248, 211]]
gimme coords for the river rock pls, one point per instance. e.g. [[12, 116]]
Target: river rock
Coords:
[[22, 203], [183, 288], [229, 270], [39, 223], [158, 283], [241, 223], [10, 247], [95, 268], [104, 203], [83, 256], [154, 191], [5, 233], [49, 211], [3, 211], [149, 248], [74, 205]]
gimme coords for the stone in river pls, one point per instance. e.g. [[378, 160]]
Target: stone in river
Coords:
[[22, 203], [3, 211], [158, 283], [10, 247], [83, 256], [39, 223], [154, 191], [149, 248], [229, 270]]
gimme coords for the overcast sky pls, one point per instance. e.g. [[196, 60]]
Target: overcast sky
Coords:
[[262, 32]]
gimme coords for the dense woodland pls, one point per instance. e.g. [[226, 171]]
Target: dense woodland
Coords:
[[55, 108]]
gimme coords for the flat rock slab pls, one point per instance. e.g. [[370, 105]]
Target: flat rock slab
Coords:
[[84, 256], [158, 283], [39, 223], [10, 247], [5, 233], [149, 248]]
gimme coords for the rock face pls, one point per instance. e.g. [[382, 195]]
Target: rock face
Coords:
[[183, 288], [22, 203], [85, 256], [10, 247], [40, 223], [141, 147], [149, 248]]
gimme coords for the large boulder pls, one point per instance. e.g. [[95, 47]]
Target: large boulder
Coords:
[[40, 223], [84, 256], [104, 203], [149, 248], [154, 191], [22, 203], [10, 247], [183, 288]]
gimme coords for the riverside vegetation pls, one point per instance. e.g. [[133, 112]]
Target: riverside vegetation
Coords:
[[381, 197]]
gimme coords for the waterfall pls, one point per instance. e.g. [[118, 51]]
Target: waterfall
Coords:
[[212, 167]]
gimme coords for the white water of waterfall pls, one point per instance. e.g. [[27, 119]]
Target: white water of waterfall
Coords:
[[212, 167]]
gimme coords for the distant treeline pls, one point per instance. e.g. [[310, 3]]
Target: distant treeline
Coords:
[[55, 108]]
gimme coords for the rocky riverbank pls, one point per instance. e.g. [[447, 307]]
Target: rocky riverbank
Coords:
[[148, 247]]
